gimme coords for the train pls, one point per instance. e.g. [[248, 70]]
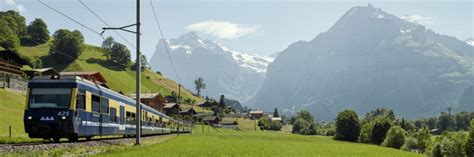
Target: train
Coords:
[[72, 107]]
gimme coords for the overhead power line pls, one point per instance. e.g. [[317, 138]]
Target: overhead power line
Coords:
[[70, 18], [164, 41], [106, 23]]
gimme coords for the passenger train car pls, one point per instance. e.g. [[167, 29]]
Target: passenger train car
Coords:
[[72, 107]]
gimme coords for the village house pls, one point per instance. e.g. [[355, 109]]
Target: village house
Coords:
[[211, 120], [154, 100], [188, 112], [11, 75], [171, 109], [228, 125], [40, 72], [92, 76], [256, 114]]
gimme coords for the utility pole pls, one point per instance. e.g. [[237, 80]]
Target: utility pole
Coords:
[[138, 70], [138, 107]]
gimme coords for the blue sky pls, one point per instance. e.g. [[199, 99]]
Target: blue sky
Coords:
[[258, 27]]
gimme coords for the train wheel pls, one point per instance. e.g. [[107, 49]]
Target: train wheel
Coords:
[[89, 138], [56, 139]]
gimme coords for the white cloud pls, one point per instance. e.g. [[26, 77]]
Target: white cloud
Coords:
[[13, 5], [223, 29], [9, 2], [419, 19], [20, 8]]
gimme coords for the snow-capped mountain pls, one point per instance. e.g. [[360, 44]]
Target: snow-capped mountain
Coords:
[[235, 74], [370, 59], [470, 41]]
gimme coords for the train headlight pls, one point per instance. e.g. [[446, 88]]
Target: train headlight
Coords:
[[29, 117], [63, 118]]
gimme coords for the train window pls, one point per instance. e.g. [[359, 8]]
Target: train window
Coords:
[[113, 114], [95, 103], [81, 100], [50, 98], [104, 105]]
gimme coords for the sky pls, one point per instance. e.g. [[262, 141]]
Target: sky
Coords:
[[260, 27]]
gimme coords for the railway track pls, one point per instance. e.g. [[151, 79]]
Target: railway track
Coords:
[[46, 145]]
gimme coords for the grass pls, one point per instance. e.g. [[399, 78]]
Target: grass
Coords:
[[11, 114], [92, 59], [250, 143]]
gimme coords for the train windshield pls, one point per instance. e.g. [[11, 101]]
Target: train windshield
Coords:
[[50, 98]]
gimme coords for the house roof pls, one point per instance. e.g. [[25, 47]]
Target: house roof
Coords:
[[93, 76], [170, 105], [42, 70], [208, 118], [145, 95], [256, 112], [276, 118]]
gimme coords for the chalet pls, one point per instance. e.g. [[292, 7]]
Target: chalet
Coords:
[[189, 112], [40, 72], [228, 125], [93, 76], [256, 114], [206, 104], [211, 120], [275, 119], [11, 75], [154, 100], [171, 109], [11, 63]]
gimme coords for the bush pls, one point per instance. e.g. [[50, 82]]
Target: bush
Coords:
[[303, 127], [347, 126], [395, 137], [451, 144], [470, 141], [379, 130], [420, 140], [67, 46], [266, 124]]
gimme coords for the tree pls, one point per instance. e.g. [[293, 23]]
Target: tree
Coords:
[[445, 121], [8, 38], [222, 101], [107, 44], [462, 120], [300, 126], [379, 130], [199, 83], [395, 137], [144, 62], [15, 22], [120, 55], [470, 141], [67, 45], [420, 140], [264, 123], [305, 115], [347, 126], [275, 113], [379, 112], [38, 31]]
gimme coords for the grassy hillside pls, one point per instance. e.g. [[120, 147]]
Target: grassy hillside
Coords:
[[11, 114], [92, 59], [250, 143]]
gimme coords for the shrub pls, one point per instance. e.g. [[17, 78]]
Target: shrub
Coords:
[[347, 126], [449, 145], [419, 140], [379, 130], [395, 137], [470, 141], [365, 133]]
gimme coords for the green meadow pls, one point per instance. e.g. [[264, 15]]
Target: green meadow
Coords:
[[223, 142]]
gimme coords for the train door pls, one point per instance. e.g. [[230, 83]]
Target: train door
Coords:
[[104, 116], [95, 119], [122, 117]]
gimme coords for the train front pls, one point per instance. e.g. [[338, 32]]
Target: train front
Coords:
[[48, 112]]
